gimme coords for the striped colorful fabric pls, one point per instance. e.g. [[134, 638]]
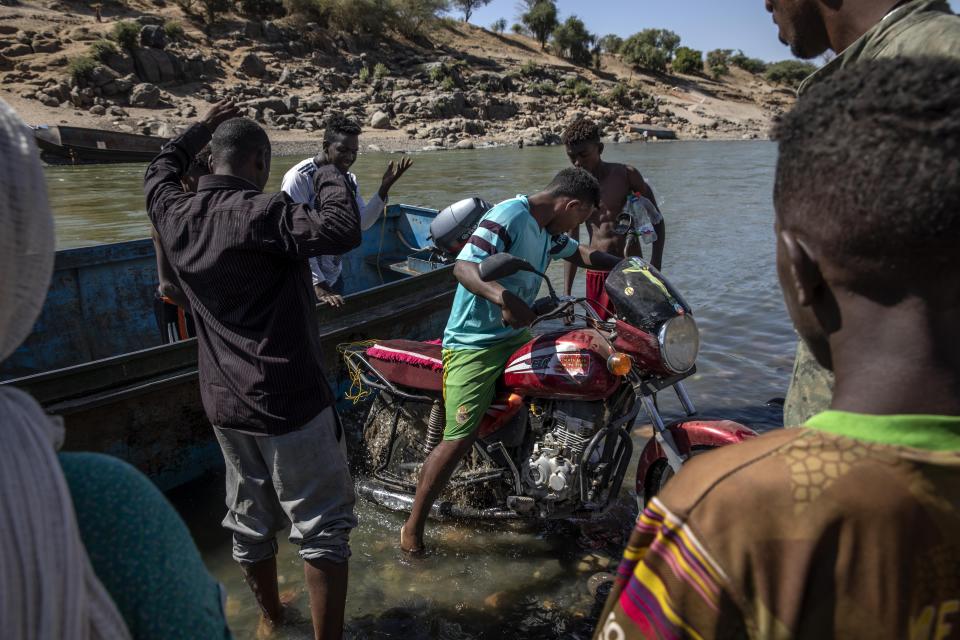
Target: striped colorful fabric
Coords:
[[664, 551]]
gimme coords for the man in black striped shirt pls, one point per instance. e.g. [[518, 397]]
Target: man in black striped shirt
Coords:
[[241, 256]]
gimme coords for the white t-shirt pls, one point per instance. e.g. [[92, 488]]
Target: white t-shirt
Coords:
[[298, 184]]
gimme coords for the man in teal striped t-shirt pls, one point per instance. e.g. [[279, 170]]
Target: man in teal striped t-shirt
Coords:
[[489, 320]]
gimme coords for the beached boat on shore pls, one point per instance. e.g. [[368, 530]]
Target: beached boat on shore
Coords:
[[95, 356], [80, 145]]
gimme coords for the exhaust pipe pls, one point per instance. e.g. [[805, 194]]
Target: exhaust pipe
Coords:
[[376, 493]]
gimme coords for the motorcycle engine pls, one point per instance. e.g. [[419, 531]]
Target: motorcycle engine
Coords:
[[550, 474]]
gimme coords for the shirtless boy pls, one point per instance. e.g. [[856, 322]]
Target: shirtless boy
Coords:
[[617, 181]]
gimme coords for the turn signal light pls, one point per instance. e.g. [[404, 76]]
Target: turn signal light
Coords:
[[619, 364]]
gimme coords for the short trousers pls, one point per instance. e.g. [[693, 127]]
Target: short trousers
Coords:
[[470, 379], [597, 294], [299, 478]]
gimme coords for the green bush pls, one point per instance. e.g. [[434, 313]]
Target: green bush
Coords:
[[751, 65], [380, 71], [469, 6], [573, 41], [100, 49], [687, 60], [438, 73], [519, 29], [174, 30], [547, 87], [81, 67], [499, 26], [610, 43], [541, 20], [261, 9], [618, 96], [448, 84], [789, 72], [530, 69], [718, 62], [364, 75], [126, 33]]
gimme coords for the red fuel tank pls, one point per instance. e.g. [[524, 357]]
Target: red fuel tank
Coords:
[[565, 365]]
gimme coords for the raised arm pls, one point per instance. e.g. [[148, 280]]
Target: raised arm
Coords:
[[331, 227], [161, 184]]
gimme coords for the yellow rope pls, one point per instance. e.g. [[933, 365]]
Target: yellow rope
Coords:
[[356, 393]]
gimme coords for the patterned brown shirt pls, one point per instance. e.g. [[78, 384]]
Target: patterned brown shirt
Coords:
[[848, 528]]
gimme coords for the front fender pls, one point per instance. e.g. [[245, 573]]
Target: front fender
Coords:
[[690, 436]]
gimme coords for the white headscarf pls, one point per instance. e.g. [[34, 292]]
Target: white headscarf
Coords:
[[47, 587]]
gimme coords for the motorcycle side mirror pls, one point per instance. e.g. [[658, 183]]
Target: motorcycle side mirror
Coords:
[[501, 265]]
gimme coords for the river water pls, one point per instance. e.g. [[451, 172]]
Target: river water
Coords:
[[483, 582]]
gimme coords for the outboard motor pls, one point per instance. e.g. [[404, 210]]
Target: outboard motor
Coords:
[[453, 226]]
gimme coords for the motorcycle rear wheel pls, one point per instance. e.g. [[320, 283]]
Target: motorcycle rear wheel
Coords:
[[661, 473]]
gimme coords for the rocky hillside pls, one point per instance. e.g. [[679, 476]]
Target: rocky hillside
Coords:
[[459, 86]]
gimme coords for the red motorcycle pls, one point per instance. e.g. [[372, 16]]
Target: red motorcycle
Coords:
[[556, 440]]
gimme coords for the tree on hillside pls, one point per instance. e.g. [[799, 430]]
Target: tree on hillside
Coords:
[[789, 72], [718, 62], [541, 19], [499, 26], [687, 60], [573, 41], [412, 16], [650, 49], [611, 43], [745, 62], [469, 6]]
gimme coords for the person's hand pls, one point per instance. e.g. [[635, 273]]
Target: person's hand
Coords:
[[220, 113], [515, 312], [393, 173], [331, 299], [568, 317]]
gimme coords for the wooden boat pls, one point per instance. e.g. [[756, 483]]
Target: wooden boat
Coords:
[[95, 356], [79, 145]]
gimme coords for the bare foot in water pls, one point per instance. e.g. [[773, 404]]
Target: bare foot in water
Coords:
[[410, 545], [292, 617]]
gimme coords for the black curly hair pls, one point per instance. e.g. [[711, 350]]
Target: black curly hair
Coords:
[[869, 169], [582, 131], [339, 125], [573, 182]]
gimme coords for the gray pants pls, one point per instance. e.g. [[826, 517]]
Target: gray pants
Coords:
[[300, 478]]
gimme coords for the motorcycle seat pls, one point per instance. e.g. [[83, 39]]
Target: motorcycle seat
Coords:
[[408, 363]]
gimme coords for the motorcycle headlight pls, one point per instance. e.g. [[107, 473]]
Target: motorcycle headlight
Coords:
[[679, 343]]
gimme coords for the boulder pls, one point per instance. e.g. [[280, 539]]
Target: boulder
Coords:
[[7, 29], [98, 110], [117, 112], [253, 66], [252, 30], [101, 76], [155, 66], [262, 105], [48, 100], [144, 95], [6, 64], [465, 144], [17, 50], [286, 76], [272, 33], [46, 46], [153, 36], [380, 120]]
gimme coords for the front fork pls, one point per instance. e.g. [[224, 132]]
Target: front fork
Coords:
[[675, 457]]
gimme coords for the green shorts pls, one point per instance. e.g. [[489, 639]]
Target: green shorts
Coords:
[[470, 382]]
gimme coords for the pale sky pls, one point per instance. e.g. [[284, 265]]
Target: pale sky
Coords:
[[701, 24]]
